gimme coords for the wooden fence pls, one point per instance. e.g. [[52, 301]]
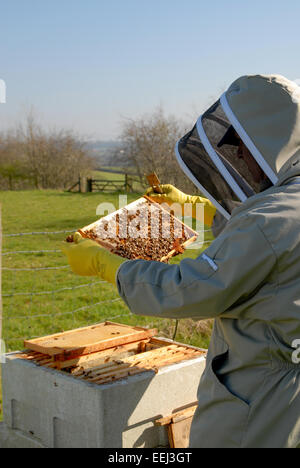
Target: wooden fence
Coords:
[[88, 184]]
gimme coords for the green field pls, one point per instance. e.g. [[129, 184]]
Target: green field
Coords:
[[38, 302], [133, 181]]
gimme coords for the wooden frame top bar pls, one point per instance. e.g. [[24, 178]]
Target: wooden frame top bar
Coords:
[[88, 340]]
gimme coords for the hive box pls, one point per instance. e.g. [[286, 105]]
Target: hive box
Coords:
[[46, 407]]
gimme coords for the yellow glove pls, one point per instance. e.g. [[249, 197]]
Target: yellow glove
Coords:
[[87, 258], [172, 195]]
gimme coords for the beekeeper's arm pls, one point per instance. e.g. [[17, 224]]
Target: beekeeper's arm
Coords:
[[172, 196], [230, 270], [87, 258]]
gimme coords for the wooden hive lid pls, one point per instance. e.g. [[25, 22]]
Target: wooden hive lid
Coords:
[[82, 341]]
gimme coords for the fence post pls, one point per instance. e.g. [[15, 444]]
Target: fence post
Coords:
[[0, 281], [83, 184], [2, 344], [89, 185]]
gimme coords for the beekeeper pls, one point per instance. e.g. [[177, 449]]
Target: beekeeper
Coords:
[[244, 150]]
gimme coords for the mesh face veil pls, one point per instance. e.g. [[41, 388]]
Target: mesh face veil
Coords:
[[217, 171]]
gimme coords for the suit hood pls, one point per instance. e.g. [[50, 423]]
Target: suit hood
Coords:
[[264, 111]]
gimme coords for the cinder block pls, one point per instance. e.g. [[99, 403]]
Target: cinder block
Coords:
[[57, 410], [10, 438]]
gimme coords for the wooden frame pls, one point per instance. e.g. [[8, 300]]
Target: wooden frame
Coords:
[[193, 235], [120, 362], [178, 426], [86, 340], [154, 182]]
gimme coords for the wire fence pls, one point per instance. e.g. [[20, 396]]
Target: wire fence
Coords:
[[42, 296]]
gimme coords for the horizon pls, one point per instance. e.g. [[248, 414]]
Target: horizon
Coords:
[[86, 66]]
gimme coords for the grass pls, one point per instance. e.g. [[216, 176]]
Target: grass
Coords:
[[117, 177], [107, 175], [64, 300]]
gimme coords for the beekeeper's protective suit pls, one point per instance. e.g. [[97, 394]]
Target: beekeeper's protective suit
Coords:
[[249, 277]]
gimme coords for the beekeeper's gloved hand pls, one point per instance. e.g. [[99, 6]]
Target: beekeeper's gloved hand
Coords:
[[87, 258], [172, 195]]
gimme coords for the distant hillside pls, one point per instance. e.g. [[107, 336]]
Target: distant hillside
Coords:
[[103, 151], [101, 146]]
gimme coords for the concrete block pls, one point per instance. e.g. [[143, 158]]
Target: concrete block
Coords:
[[61, 411], [10, 438]]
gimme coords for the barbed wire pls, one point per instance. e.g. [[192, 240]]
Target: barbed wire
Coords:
[[70, 312], [48, 251], [19, 234], [113, 317], [53, 301], [41, 293], [37, 268], [13, 252]]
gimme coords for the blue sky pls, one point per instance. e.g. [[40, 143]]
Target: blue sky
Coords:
[[88, 64]]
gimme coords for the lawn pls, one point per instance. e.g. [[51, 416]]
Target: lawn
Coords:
[[40, 302], [102, 175]]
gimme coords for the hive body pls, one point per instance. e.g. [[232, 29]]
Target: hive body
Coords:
[[45, 407]]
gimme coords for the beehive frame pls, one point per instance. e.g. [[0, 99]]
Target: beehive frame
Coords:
[[191, 234]]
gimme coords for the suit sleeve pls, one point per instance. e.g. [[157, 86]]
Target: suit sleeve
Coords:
[[232, 268]]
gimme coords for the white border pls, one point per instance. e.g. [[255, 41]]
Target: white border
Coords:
[[218, 163], [191, 176], [246, 139]]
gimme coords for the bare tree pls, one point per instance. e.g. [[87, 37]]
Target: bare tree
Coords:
[[13, 169], [43, 159], [149, 144]]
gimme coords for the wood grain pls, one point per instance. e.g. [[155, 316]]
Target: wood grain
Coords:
[[82, 341]]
